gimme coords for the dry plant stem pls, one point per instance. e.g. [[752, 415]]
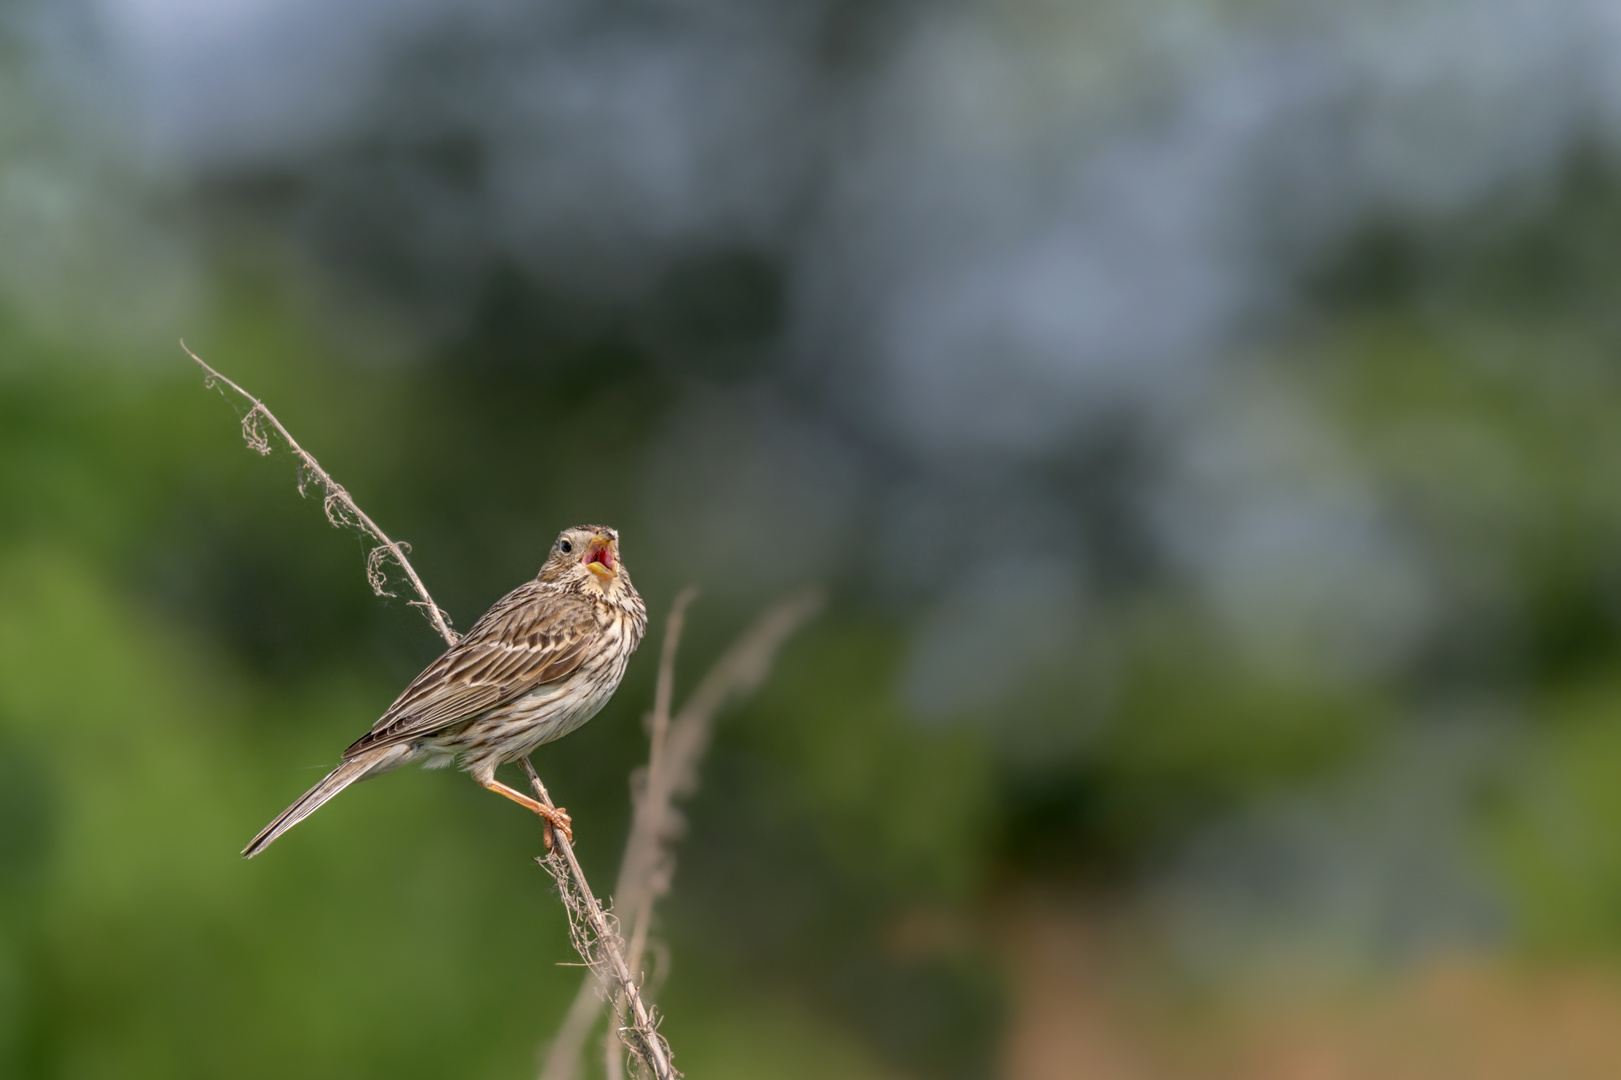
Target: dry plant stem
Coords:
[[637, 870], [664, 690], [602, 950], [647, 866], [341, 509], [599, 944], [613, 1058]]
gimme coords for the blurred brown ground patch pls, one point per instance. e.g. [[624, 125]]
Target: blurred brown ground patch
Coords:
[[1082, 1006]]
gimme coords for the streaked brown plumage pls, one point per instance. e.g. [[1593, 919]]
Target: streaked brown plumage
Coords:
[[540, 663]]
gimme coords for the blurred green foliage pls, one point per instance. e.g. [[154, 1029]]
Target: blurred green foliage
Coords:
[[185, 644]]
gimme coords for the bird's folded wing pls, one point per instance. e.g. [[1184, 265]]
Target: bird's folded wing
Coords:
[[521, 644]]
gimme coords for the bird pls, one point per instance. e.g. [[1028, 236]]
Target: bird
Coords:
[[541, 662]]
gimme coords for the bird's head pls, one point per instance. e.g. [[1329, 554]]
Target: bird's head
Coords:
[[587, 557]]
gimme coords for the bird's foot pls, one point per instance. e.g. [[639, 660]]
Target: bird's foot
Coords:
[[556, 818]]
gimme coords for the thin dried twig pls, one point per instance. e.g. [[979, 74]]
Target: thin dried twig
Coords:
[[341, 509], [678, 744], [613, 1056], [658, 726], [638, 870], [596, 940]]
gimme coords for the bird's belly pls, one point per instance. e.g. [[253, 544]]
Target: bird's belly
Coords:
[[549, 712]]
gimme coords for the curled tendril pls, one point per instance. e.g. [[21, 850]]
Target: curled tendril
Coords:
[[253, 431], [376, 570], [336, 506]]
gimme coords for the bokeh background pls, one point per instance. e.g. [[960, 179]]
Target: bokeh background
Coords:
[[1205, 416]]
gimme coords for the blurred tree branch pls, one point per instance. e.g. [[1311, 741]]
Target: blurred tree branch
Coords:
[[676, 747]]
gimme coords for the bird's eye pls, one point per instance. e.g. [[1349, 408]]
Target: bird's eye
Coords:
[[564, 546]]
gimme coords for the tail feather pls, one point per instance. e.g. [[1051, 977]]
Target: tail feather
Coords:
[[356, 768]]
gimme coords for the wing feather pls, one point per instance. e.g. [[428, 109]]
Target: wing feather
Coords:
[[532, 636]]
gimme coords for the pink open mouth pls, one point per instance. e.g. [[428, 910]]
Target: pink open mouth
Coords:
[[602, 555]]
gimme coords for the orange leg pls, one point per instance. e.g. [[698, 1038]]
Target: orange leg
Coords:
[[556, 817]]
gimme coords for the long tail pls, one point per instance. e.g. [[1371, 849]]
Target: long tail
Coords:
[[355, 768]]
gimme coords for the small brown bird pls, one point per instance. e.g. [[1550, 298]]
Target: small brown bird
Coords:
[[540, 663]]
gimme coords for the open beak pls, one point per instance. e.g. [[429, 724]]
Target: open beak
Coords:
[[599, 557]]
